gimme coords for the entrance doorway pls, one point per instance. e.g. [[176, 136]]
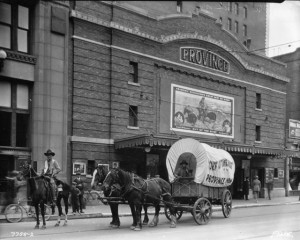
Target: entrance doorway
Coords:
[[237, 186]]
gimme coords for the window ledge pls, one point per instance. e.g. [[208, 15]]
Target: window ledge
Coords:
[[134, 84], [259, 142], [133, 128], [258, 109]]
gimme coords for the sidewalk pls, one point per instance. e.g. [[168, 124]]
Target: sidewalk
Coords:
[[103, 211]]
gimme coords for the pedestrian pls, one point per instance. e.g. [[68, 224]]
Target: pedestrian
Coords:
[[270, 185], [246, 186], [256, 188], [80, 186], [74, 198]]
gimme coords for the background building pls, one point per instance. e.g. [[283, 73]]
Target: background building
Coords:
[[132, 69], [33, 84], [247, 21], [109, 82], [292, 61]]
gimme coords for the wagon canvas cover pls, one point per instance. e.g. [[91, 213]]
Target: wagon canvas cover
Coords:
[[212, 167]]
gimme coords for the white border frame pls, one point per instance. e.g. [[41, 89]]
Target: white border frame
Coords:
[[197, 132], [81, 164]]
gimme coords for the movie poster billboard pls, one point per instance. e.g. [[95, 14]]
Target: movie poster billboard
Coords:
[[294, 128], [201, 112]]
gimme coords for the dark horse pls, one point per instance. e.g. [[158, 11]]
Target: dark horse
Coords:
[[63, 193], [115, 191], [138, 192], [39, 192]]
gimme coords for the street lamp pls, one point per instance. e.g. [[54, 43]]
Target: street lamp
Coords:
[[3, 56], [147, 149]]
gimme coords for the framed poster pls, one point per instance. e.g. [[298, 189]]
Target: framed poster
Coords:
[[246, 167], [294, 129], [79, 167], [280, 173], [201, 112], [269, 174], [105, 166]]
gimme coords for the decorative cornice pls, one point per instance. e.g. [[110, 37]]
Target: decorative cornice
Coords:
[[177, 36], [20, 57]]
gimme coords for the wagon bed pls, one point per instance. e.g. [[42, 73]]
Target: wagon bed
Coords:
[[198, 199]]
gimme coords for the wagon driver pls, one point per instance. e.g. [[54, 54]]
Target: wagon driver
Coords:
[[183, 171]]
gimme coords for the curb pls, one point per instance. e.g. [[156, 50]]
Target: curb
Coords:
[[108, 215]]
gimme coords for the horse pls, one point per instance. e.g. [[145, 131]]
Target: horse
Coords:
[[40, 193], [63, 193], [99, 175], [138, 192]]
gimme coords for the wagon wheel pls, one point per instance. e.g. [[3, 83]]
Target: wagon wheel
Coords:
[[178, 213], [202, 211], [226, 203]]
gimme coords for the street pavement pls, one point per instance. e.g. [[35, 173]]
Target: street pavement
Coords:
[[103, 211]]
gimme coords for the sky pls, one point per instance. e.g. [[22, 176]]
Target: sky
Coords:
[[284, 27]]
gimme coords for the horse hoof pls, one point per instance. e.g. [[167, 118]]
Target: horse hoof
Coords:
[[173, 226], [36, 227], [152, 225], [132, 227], [145, 222], [43, 227], [114, 226], [137, 229]]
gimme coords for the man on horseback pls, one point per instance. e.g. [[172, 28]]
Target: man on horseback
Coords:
[[51, 169]]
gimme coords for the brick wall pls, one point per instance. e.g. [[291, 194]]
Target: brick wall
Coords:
[[101, 94]]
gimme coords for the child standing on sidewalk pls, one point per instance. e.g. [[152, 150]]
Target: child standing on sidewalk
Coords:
[[74, 198]]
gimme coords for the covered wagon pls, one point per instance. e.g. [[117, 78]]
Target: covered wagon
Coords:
[[209, 173]]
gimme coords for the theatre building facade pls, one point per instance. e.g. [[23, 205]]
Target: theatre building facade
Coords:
[[141, 82]]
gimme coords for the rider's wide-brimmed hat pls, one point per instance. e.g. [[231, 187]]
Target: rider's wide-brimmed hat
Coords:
[[183, 162], [49, 152]]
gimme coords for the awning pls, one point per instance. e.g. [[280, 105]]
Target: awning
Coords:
[[145, 140], [160, 140]]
